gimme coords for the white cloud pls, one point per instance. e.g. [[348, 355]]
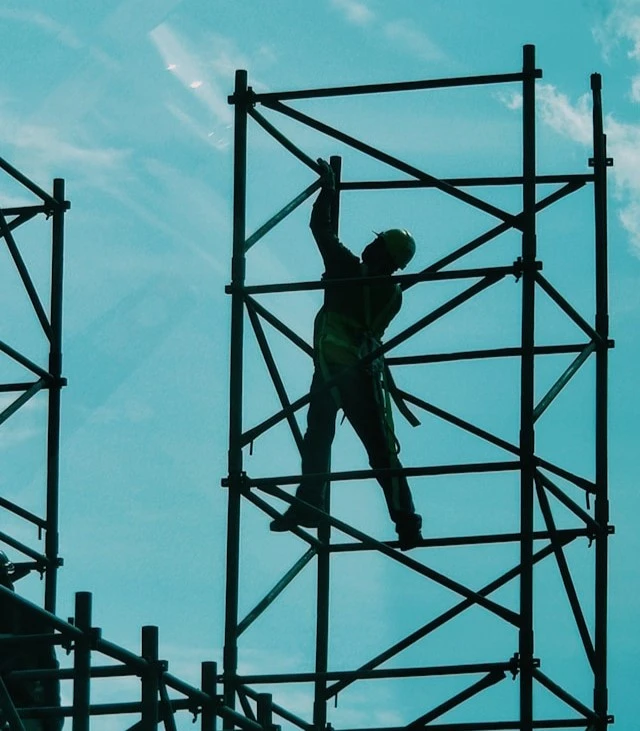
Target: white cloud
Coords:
[[635, 88], [573, 121], [33, 17], [622, 24], [354, 11], [409, 38], [557, 111]]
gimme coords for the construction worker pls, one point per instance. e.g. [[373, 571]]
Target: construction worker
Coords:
[[15, 620], [347, 328]]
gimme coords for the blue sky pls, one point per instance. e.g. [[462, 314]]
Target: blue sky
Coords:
[[127, 102]]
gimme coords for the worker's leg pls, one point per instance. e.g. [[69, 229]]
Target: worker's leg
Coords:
[[363, 408], [315, 456], [317, 441]]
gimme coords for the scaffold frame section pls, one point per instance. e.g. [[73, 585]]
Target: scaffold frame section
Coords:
[[41, 376], [154, 705], [538, 476]]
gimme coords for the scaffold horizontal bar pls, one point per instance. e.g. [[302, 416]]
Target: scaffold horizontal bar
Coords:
[[407, 279], [486, 181], [388, 87], [442, 619], [486, 353], [555, 724], [24, 213], [68, 630], [413, 672], [391, 161], [27, 515], [453, 541], [347, 475]]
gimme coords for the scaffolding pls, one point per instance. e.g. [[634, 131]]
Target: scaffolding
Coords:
[[544, 486], [93, 659]]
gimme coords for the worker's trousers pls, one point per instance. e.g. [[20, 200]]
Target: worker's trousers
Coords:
[[360, 397]]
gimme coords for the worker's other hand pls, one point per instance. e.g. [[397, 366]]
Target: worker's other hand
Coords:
[[327, 178]]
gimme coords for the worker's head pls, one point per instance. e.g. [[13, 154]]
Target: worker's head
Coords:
[[7, 569], [390, 250]]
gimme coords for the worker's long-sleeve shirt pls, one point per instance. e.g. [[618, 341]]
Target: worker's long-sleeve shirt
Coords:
[[353, 317]]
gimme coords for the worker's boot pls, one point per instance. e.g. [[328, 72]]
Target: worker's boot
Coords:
[[408, 527], [292, 517]]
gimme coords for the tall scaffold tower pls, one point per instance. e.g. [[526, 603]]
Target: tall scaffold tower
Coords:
[[463, 683]]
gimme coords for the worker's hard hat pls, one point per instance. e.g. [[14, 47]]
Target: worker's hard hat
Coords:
[[400, 244], [6, 567]]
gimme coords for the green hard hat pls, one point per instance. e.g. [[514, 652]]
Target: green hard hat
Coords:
[[400, 244]]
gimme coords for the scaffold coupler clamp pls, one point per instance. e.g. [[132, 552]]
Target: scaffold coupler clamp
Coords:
[[520, 266], [516, 664]]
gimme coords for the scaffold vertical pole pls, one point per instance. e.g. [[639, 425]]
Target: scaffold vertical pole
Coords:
[[324, 554], [82, 663], [601, 446], [53, 425], [235, 390], [527, 433]]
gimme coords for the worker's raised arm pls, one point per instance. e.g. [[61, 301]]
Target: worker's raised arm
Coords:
[[334, 254]]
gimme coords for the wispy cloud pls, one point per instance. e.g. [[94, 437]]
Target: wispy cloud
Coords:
[[355, 11], [406, 35], [46, 23], [403, 34], [620, 26], [572, 120]]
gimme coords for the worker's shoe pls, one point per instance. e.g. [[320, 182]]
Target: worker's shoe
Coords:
[[292, 517], [408, 530]]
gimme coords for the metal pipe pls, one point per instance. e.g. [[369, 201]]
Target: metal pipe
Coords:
[[483, 353], [602, 477], [527, 386], [275, 592], [150, 678], [281, 215], [285, 142], [562, 381], [209, 684], [390, 87], [56, 384], [581, 178], [29, 184], [82, 663], [235, 391]]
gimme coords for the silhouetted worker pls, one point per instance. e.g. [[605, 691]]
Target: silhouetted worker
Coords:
[[349, 326], [15, 620]]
